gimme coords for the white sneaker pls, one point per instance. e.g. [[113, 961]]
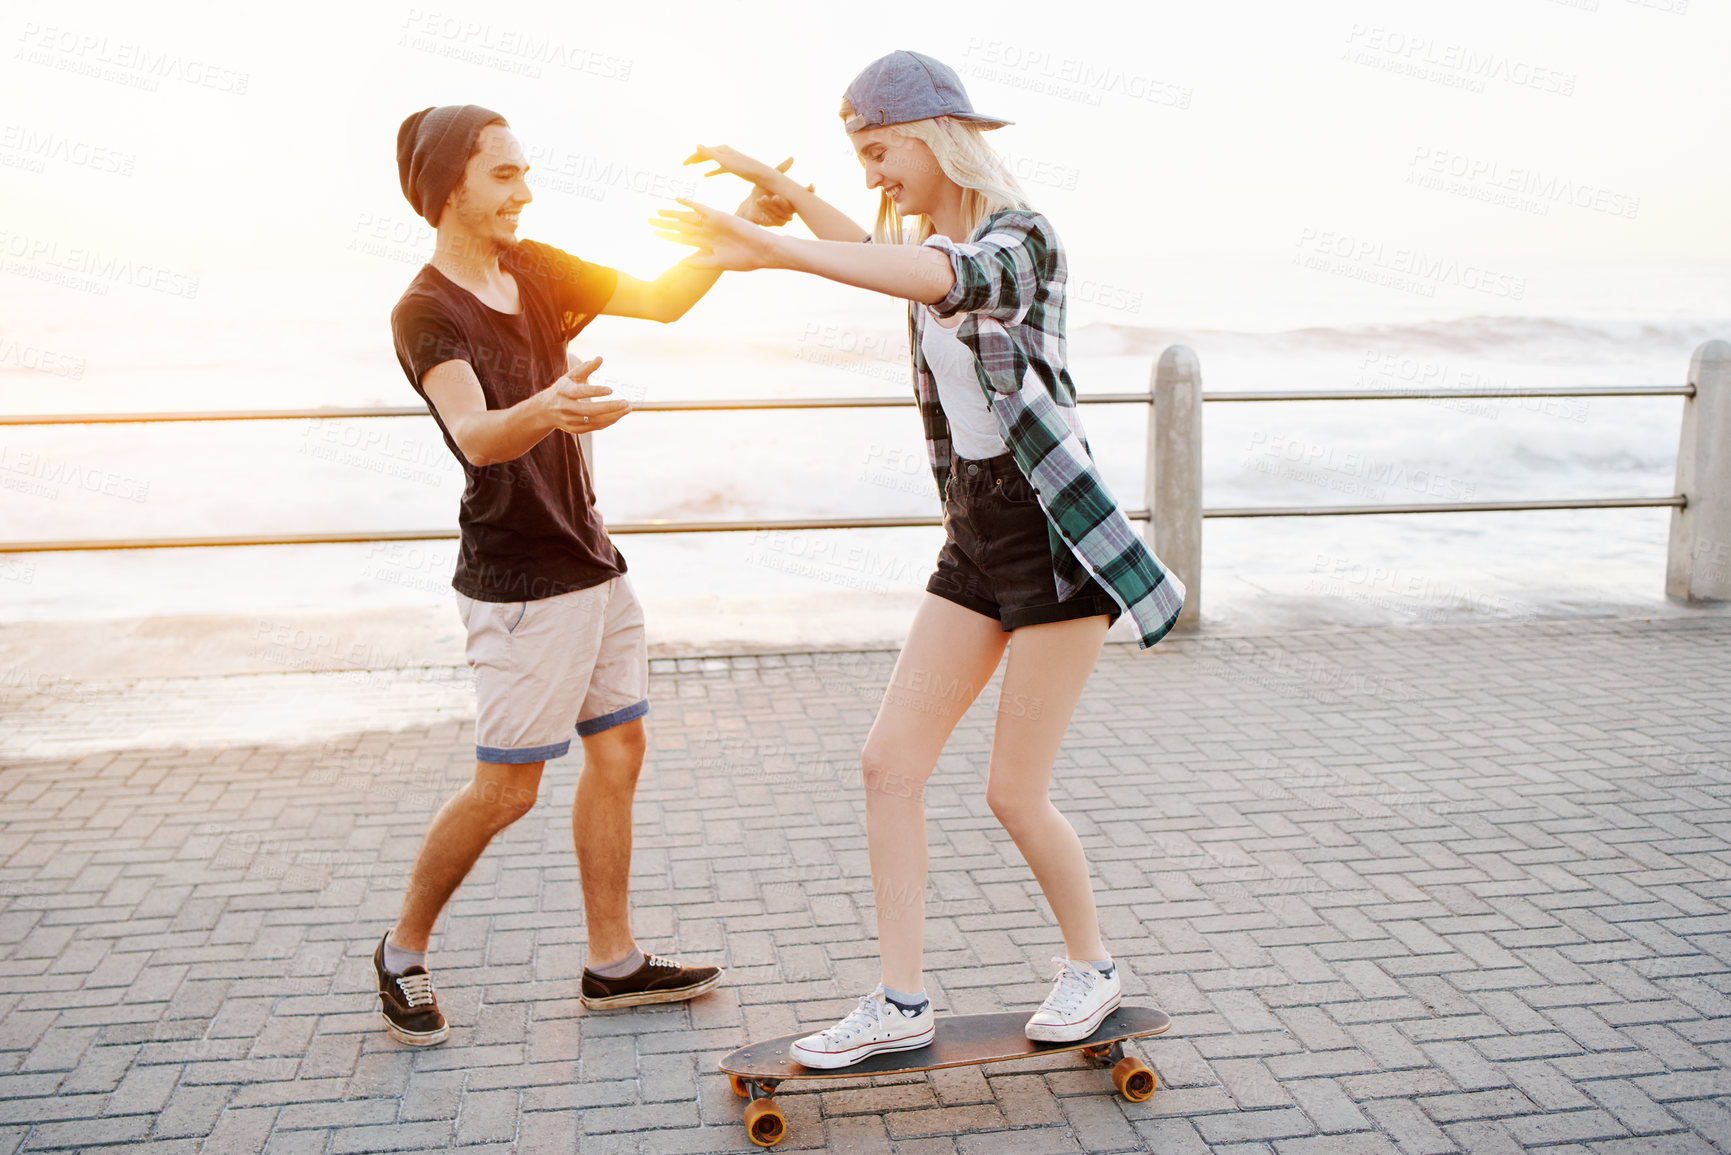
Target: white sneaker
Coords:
[[875, 1025], [1080, 1000]]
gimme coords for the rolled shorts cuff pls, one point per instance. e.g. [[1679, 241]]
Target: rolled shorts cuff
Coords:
[[946, 590], [591, 726], [1087, 606], [522, 754]]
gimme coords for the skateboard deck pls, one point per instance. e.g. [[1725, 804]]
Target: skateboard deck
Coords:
[[960, 1041]]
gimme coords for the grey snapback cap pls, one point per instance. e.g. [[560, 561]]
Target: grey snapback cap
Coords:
[[906, 86]]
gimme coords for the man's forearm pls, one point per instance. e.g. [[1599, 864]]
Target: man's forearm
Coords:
[[913, 272], [681, 287], [491, 436]]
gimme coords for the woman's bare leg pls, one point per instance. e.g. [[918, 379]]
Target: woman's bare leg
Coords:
[[950, 654], [1049, 665]]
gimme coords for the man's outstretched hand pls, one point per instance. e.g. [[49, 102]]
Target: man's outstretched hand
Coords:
[[760, 206], [576, 406]]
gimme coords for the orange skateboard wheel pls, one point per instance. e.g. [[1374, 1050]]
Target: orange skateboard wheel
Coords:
[[764, 1122], [738, 1085], [1133, 1079]]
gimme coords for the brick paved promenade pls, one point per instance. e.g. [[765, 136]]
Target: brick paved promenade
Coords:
[[1462, 889]]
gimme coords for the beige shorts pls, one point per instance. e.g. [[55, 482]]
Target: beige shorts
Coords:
[[542, 667]]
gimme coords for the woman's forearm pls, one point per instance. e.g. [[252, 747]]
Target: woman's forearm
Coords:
[[824, 220], [914, 272]]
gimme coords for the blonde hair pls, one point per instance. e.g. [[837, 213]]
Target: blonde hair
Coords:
[[968, 160]]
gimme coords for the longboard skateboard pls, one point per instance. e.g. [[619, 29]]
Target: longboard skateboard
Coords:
[[757, 1069]]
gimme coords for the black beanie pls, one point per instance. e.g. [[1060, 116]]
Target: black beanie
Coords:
[[433, 147]]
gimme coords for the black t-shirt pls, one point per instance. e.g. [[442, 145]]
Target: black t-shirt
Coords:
[[529, 527]]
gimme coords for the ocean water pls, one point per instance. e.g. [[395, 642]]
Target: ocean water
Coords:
[[303, 337]]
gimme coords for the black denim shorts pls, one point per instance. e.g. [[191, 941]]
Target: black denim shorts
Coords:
[[997, 558]]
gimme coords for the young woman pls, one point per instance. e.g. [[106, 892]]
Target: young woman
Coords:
[[1038, 559]]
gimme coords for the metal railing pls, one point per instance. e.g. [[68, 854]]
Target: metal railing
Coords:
[[1453, 506], [1173, 510], [667, 525], [1698, 560], [340, 537]]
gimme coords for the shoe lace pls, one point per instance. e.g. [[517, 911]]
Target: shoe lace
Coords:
[[417, 989], [656, 960], [868, 1014], [1074, 985]]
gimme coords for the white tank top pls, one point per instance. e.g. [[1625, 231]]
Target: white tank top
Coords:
[[973, 430]]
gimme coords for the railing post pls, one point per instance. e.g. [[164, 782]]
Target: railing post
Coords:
[[1698, 562], [1174, 475]]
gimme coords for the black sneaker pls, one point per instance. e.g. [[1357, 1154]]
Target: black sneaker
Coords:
[[407, 1003], [658, 980]]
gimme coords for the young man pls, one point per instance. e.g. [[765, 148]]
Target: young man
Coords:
[[555, 634]]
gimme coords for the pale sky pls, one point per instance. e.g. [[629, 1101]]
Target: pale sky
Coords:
[[1153, 129]]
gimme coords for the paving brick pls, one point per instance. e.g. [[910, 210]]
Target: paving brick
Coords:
[[1098, 1122], [1403, 1122], [1357, 1144], [487, 1117], [240, 1132], [1037, 1141], [1327, 1105], [1250, 1084], [142, 1091], [1565, 1126], [944, 1120], [1172, 1137], [1242, 1126], [90, 1132], [1483, 1137], [192, 1111]]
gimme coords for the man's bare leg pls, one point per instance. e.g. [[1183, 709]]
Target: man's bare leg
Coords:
[[497, 796], [601, 832]]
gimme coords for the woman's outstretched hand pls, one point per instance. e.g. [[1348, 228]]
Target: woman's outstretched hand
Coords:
[[768, 203], [731, 160], [722, 240]]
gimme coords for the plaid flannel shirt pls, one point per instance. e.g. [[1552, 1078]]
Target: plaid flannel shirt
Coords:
[[1010, 279]]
